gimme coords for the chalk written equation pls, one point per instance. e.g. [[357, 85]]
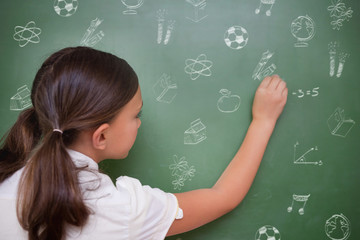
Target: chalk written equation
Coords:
[[300, 93]]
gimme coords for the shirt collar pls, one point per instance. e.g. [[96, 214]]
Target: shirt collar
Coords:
[[81, 160]]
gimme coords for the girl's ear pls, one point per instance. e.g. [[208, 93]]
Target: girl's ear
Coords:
[[99, 137]]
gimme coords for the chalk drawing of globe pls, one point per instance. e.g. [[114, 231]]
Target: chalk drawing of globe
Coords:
[[337, 227]]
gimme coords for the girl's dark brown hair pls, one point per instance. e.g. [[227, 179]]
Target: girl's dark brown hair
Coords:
[[75, 89]]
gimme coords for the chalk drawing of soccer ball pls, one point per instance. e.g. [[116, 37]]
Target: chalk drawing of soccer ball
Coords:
[[65, 8], [236, 37], [267, 232]]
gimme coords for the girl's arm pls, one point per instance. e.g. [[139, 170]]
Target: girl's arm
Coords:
[[205, 205]]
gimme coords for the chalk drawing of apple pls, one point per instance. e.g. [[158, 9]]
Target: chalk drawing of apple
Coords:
[[228, 103]]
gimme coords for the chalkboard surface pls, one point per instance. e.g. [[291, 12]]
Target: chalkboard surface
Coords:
[[199, 63]]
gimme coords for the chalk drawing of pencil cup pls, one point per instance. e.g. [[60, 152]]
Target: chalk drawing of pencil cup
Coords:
[[165, 90], [196, 133], [196, 10], [338, 125], [228, 102], [21, 99]]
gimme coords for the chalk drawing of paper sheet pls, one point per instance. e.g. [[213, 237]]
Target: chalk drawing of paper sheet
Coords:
[[165, 90], [196, 10], [196, 133], [21, 99], [338, 125]]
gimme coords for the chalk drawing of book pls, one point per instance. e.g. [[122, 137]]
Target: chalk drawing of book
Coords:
[[165, 90], [302, 199], [196, 10], [21, 99], [196, 133], [338, 125]]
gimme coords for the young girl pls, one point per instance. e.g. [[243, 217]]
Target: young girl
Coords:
[[86, 106]]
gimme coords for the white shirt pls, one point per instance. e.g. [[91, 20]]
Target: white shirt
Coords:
[[128, 211]]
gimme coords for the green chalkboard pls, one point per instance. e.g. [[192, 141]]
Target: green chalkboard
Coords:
[[199, 63]]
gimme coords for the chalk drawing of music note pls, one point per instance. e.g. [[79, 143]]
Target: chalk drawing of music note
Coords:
[[302, 159], [267, 3], [301, 199]]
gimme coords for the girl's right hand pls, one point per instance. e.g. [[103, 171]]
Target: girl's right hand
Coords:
[[270, 99]]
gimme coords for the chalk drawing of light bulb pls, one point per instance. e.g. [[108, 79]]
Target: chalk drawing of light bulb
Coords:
[[131, 5], [228, 102], [303, 29]]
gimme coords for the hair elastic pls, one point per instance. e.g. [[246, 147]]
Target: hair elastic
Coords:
[[57, 130]]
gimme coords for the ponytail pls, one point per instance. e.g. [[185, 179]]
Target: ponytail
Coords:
[[18, 144], [50, 181], [76, 89]]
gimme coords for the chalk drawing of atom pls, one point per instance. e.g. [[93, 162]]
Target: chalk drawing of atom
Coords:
[[29, 33], [198, 67]]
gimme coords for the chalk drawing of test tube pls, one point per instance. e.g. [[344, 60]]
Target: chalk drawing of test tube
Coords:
[[301, 199], [161, 22], [342, 59], [267, 3]]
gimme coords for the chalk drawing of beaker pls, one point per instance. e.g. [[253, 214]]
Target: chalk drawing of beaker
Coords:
[[131, 5]]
